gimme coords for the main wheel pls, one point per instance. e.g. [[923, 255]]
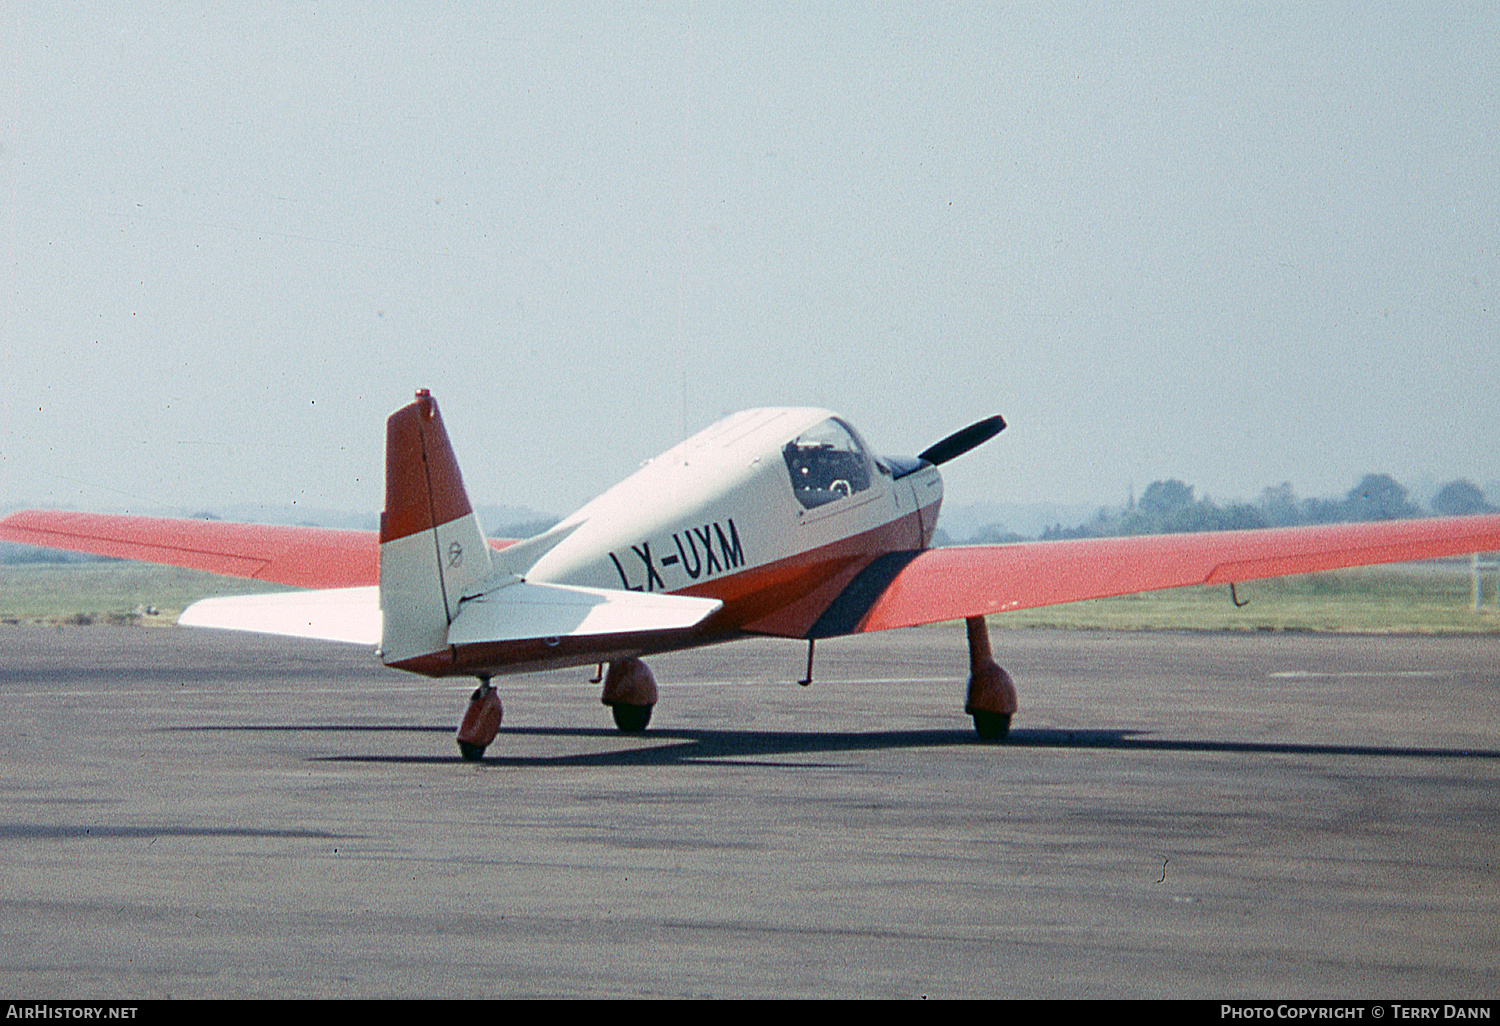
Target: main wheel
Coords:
[[631, 719], [991, 726]]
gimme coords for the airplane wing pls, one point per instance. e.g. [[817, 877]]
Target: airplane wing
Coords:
[[306, 557], [906, 589], [344, 568]]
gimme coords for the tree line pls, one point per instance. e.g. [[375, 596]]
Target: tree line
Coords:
[[1169, 507]]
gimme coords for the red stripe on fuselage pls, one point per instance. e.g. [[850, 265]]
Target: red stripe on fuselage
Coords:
[[786, 598]]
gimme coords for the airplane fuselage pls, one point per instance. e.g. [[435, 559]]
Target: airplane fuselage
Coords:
[[771, 511]]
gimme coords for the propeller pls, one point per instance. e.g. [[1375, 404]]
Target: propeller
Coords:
[[962, 441]]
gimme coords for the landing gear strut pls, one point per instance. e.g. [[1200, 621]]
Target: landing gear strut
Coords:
[[992, 697], [630, 693], [481, 721]]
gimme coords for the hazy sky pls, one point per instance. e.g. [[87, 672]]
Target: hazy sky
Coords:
[[1233, 244]]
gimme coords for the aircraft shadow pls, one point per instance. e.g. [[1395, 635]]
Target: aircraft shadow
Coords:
[[775, 748]]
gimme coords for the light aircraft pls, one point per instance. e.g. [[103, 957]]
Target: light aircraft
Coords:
[[777, 522]]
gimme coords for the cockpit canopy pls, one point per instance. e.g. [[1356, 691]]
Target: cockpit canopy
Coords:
[[826, 463]]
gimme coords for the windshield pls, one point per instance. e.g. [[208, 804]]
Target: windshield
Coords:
[[826, 463]]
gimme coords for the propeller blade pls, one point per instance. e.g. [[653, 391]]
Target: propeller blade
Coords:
[[961, 442]]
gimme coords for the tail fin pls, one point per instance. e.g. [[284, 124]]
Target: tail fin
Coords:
[[431, 548]]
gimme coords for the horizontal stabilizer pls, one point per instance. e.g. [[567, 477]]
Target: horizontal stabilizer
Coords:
[[339, 614], [522, 611]]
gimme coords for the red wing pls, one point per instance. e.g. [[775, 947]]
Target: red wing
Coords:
[[952, 583], [304, 557], [307, 557]]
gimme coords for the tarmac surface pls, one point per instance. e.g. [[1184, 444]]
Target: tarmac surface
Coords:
[[194, 814]]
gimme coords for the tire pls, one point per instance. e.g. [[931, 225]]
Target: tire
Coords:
[[991, 726], [631, 719]]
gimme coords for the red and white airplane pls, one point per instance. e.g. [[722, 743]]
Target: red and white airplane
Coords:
[[770, 522]]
